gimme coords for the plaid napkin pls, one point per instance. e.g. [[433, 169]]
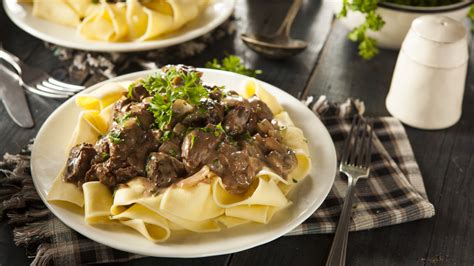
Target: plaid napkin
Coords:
[[394, 193]]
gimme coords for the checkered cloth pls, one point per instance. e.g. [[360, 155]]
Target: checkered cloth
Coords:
[[394, 193]]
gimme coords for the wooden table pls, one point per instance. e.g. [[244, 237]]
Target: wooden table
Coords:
[[332, 67]]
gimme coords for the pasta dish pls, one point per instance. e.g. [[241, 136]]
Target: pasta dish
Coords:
[[173, 153], [120, 20]]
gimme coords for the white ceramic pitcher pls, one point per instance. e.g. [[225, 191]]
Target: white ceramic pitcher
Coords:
[[429, 78]]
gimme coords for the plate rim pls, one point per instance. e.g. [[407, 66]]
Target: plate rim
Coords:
[[228, 250], [99, 46]]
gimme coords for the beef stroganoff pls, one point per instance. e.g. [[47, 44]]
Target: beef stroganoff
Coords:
[[172, 153]]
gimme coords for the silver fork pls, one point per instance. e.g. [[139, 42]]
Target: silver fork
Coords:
[[355, 162], [37, 81]]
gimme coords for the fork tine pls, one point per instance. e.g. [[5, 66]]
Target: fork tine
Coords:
[[354, 149], [347, 143], [46, 94], [368, 154], [52, 91], [363, 145], [71, 87], [56, 87]]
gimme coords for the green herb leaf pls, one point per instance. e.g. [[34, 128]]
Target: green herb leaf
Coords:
[[233, 63], [193, 138], [120, 120], [105, 156], [114, 137]]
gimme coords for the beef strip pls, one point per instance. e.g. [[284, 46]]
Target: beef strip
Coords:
[[199, 148], [164, 170], [78, 163]]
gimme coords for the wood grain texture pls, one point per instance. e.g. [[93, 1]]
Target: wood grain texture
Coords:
[[445, 156]]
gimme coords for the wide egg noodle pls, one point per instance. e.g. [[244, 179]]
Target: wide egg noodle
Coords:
[[256, 213], [63, 191], [57, 11], [97, 202], [252, 87], [230, 222], [303, 167], [137, 19], [151, 225], [108, 94], [135, 192], [153, 203], [83, 133], [128, 194], [268, 174], [82, 7], [107, 23], [284, 119], [294, 138], [192, 203], [265, 193]]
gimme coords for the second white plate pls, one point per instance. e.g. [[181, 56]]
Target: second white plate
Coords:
[[49, 156], [21, 14]]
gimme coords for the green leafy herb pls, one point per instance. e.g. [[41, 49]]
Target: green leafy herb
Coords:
[[120, 120], [219, 130], [233, 63], [114, 137], [175, 83], [105, 156], [166, 135], [193, 138], [374, 22]]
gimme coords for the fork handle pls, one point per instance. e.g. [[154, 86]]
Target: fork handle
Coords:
[[337, 254]]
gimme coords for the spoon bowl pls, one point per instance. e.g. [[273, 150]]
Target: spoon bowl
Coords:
[[276, 47], [279, 45]]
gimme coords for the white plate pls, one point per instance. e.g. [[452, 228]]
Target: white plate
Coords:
[[21, 14], [49, 155]]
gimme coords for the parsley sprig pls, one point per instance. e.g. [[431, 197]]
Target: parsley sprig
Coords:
[[233, 63], [374, 22], [167, 87]]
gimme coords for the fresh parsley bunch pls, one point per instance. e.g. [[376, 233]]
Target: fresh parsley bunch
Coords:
[[232, 63], [373, 21]]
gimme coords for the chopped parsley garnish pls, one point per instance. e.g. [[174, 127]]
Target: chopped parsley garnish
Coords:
[[105, 156], [167, 87], [120, 120], [233, 63], [166, 135], [193, 138], [114, 137], [219, 130]]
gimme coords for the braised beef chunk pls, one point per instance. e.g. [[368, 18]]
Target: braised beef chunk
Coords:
[[199, 147], [235, 121], [234, 136], [236, 167], [138, 93], [164, 170], [282, 163], [208, 112], [78, 163]]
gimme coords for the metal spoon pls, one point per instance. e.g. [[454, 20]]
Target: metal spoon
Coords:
[[280, 44]]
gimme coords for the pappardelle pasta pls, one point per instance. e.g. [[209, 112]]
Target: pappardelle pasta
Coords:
[[120, 20], [171, 153]]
